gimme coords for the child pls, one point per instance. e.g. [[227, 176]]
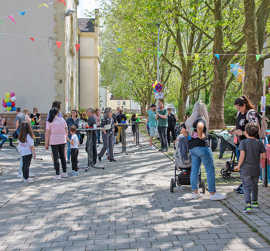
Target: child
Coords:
[[133, 126], [251, 150], [74, 146], [26, 149]]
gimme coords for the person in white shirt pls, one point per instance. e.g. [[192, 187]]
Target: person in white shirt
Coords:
[[26, 149], [74, 146]]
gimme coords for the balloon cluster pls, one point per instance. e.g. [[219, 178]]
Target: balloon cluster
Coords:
[[9, 101], [238, 72]]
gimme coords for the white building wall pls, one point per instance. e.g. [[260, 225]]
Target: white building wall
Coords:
[[27, 67]]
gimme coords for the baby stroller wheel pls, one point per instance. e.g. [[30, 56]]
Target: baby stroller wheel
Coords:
[[172, 185], [225, 174], [202, 186]]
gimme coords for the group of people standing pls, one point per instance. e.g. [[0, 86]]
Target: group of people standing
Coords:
[[162, 121]]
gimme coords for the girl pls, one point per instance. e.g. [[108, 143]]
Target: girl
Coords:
[[26, 149], [56, 137]]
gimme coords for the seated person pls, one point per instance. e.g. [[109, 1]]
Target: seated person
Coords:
[[3, 132]]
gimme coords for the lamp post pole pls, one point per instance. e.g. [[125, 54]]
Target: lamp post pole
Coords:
[[158, 61]]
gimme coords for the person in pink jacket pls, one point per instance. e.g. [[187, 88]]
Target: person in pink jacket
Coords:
[[56, 137]]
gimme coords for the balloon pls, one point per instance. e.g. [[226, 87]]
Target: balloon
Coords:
[[13, 109], [12, 94], [13, 99], [9, 104], [9, 108], [12, 104], [7, 94], [6, 100], [4, 104]]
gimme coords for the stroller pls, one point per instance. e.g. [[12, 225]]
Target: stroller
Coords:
[[226, 143], [182, 167]]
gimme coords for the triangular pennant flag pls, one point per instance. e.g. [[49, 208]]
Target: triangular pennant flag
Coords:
[[196, 56], [160, 53], [62, 1], [217, 56], [32, 39], [12, 19], [59, 44], [77, 47], [258, 57], [119, 49], [43, 5], [22, 13]]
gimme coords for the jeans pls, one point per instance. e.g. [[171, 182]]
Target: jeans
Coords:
[[108, 141], [68, 151], [98, 136], [74, 158], [250, 184], [26, 164], [202, 155], [58, 151], [3, 138], [162, 131]]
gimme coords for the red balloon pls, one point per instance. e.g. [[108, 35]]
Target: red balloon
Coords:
[[13, 104]]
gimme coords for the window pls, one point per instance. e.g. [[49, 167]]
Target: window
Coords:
[[124, 102], [118, 102]]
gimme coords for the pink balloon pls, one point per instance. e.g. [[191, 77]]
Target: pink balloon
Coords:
[[12, 94]]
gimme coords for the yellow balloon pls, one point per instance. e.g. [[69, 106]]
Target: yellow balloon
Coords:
[[7, 95], [9, 108], [6, 100]]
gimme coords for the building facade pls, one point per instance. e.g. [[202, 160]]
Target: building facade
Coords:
[[89, 67], [37, 62]]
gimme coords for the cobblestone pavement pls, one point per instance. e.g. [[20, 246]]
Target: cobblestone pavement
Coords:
[[127, 206]]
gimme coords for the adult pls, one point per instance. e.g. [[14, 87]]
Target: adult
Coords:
[[57, 105], [246, 113], [198, 125], [92, 146], [3, 132], [162, 119], [56, 137], [98, 118], [107, 125], [83, 118], [20, 117], [35, 117], [152, 123], [121, 119], [71, 121], [27, 116], [171, 127]]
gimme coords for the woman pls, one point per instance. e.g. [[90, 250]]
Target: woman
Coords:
[[83, 118], [198, 125], [56, 137], [97, 117], [246, 114], [71, 121]]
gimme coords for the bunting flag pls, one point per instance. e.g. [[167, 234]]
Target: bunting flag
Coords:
[[43, 5], [62, 1], [119, 49], [217, 56], [58, 44], [258, 57], [12, 19], [77, 47], [160, 53], [22, 13], [32, 39]]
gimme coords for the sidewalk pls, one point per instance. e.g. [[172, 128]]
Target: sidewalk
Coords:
[[127, 206]]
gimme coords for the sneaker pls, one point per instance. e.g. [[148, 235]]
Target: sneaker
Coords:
[[64, 175], [76, 174], [19, 175], [195, 196], [112, 160], [58, 177], [100, 159], [247, 209], [153, 148], [31, 175], [29, 180], [255, 204], [217, 196]]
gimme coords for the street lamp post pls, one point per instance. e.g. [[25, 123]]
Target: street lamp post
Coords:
[[158, 61]]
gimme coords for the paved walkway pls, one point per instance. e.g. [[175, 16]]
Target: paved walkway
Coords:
[[127, 206]]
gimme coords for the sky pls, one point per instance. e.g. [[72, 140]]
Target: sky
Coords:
[[86, 5]]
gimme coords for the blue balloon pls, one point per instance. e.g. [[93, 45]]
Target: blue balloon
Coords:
[[9, 104], [13, 109]]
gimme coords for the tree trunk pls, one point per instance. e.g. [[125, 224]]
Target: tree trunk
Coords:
[[252, 85], [183, 95], [216, 115], [143, 109]]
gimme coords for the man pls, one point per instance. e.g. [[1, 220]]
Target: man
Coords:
[[121, 119], [91, 144], [20, 117], [152, 123], [162, 118], [3, 132], [171, 127]]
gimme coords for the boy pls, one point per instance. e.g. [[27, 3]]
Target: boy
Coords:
[[74, 146], [152, 123], [251, 150], [162, 119]]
